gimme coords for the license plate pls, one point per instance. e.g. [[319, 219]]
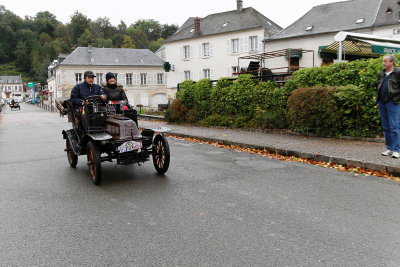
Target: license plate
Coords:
[[129, 146]]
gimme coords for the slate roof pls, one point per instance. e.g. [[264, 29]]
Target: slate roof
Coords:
[[248, 18], [342, 16], [11, 79], [112, 57]]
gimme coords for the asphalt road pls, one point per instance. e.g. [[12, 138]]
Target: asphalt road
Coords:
[[214, 207]]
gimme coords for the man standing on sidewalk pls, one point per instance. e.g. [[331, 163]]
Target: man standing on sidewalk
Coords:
[[388, 98]]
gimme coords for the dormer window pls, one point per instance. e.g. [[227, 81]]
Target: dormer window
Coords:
[[310, 27], [192, 30], [389, 11], [225, 24], [359, 21]]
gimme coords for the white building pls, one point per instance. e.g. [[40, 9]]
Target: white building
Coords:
[[11, 87], [209, 47], [317, 28], [139, 71]]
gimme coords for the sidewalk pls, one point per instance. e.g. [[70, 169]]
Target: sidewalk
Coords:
[[362, 154]]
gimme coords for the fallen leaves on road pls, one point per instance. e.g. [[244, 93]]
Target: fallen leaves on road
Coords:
[[343, 168]]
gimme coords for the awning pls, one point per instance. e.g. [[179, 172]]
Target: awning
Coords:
[[361, 45]]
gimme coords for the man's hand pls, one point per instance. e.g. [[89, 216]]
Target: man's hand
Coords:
[[85, 102], [103, 97]]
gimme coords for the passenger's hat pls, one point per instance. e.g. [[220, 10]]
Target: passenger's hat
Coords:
[[109, 75], [88, 73]]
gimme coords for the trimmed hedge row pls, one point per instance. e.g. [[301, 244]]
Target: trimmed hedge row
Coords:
[[330, 100]]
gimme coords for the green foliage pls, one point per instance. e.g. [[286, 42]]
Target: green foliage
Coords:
[[34, 41]]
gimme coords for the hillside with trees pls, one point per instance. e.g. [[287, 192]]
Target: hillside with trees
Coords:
[[29, 44]]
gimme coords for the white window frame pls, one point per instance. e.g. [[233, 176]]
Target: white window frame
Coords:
[[186, 75], [99, 78], [186, 52], [253, 40], [78, 78], [206, 49], [143, 78], [207, 73], [160, 78], [235, 46], [129, 78]]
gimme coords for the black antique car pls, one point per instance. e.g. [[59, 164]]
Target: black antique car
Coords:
[[15, 105], [109, 133]]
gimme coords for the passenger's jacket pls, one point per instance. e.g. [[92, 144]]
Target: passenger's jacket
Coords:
[[83, 90], [393, 85], [114, 92]]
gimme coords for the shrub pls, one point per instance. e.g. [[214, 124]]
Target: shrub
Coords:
[[176, 112], [313, 109], [242, 96], [220, 103]]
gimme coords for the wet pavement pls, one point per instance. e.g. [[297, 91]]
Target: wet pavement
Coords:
[[364, 154]]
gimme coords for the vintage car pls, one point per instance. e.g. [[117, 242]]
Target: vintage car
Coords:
[[109, 133], [15, 105]]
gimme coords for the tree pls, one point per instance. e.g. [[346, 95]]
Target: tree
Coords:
[[168, 30], [45, 22], [86, 38], [138, 37], [155, 45], [101, 42], [128, 43], [79, 23], [150, 27]]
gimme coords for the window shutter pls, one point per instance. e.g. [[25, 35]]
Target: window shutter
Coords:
[[228, 47], [182, 77], [201, 53], [241, 45], [211, 74], [260, 43], [211, 49], [192, 75], [121, 78], [136, 79], [155, 82], [72, 81], [246, 44], [103, 78], [191, 51], [181, 52]]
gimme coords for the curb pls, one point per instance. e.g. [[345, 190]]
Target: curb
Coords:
[[151, 117], [285, 152]]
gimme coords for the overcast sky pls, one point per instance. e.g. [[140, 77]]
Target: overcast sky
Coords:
[[282, 12]]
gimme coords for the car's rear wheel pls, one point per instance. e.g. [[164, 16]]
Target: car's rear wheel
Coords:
[[161, 155], [94, 162], [72, 158]]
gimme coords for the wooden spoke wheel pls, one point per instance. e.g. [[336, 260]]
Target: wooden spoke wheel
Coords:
[[72, 158], [94, 162], [161, 154]]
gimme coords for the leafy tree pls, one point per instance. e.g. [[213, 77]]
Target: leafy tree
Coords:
[[79, 23], [128, 43], [151, 28], [101, 42], [168, 30], [86, 38], [155, 45], [138, 37]]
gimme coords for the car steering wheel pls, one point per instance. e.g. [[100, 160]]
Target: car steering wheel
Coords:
[[94, 98]]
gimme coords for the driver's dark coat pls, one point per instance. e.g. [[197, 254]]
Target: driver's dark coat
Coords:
[[83, 90]]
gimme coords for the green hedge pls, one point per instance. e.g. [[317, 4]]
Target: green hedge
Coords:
[[330, 100]]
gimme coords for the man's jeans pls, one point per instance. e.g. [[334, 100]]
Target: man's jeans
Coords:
[[390, 118]]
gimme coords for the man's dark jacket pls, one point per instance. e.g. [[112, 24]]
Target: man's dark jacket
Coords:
[[83, 90], [393, 86], [114, 92]]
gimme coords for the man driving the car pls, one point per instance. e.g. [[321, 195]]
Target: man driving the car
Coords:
[[85, 89]]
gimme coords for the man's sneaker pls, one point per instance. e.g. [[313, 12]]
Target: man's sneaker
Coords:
[[387, 153], [396, 155]]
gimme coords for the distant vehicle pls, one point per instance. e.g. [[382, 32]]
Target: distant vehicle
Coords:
[[15, 106]]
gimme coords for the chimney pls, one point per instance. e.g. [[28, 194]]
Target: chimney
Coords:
[[239, 5], [197, 26], [90, 47]]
